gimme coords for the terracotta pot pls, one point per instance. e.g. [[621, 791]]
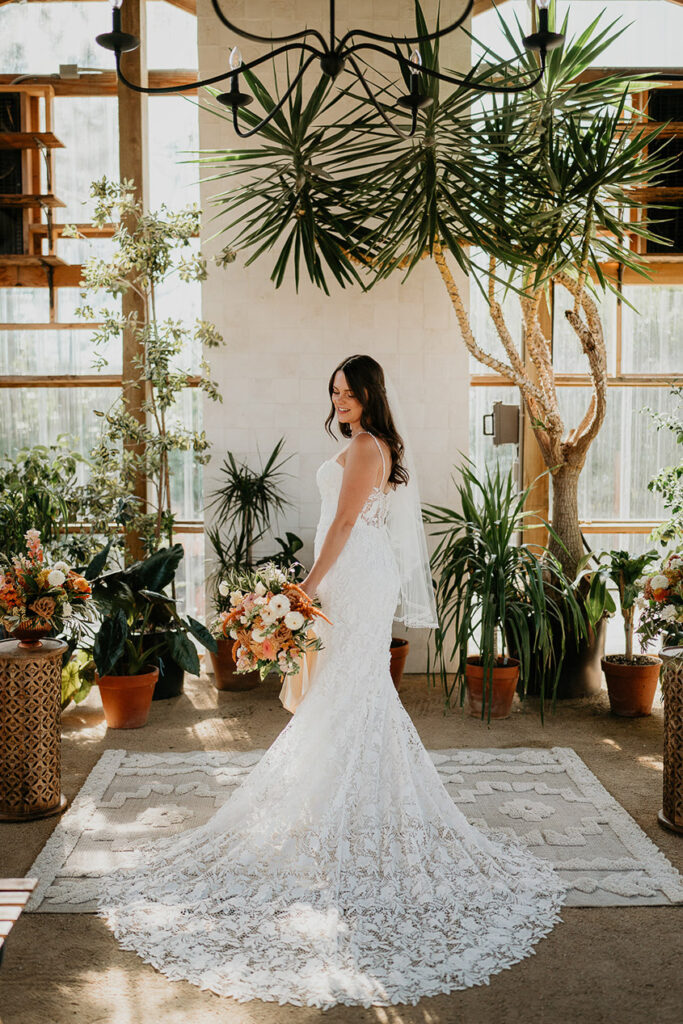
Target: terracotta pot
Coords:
[[503, 686], [631, 688], [30, 634], [224, 675], [398, 650], [127, 699]]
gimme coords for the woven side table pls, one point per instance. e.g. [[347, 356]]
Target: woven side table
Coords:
[[30, 730], [671, 814]]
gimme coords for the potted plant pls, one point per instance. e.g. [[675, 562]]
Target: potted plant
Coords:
[[497, 595], [155, 628], [631, 678], [244, 505]]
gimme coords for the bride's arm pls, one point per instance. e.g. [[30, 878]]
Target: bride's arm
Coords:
[[360, 475]]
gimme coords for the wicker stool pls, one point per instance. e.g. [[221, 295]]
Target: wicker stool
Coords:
[[30, 730], [671, 814]]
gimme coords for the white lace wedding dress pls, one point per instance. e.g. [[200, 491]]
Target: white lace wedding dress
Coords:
[[340, 871]]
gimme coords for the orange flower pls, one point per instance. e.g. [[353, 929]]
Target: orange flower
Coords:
[[43, 607], [78, 583]]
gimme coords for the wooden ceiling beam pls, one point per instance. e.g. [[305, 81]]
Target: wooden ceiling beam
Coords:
[[104, 83]]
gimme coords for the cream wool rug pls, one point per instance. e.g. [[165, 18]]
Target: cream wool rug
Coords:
[[548, 797]]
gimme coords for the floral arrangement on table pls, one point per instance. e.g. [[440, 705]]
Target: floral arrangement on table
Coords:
[[37, 596], [269, 620], [662, 603]]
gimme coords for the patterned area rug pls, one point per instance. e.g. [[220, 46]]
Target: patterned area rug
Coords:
[[548, 797]]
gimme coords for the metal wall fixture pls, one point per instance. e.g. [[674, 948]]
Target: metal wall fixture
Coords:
[[334, 56]]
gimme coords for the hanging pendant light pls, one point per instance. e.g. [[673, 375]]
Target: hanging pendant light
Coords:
[[333, 56]]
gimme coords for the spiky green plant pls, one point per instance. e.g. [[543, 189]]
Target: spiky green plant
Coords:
[[494, 593]]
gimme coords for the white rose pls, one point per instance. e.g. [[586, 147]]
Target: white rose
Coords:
[[235, 598], [659, 582], [223, 588], [259, 589], [259, 601], [279, 605], [62, 566], [55, 577], [294, 620], [66, 609], [669, 613]]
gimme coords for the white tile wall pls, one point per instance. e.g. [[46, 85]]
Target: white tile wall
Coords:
[[281, 347]]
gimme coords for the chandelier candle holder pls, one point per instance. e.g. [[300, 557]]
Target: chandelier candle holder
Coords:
[[333, 55]]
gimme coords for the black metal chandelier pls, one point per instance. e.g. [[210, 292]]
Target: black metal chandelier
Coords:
[[334, 56]]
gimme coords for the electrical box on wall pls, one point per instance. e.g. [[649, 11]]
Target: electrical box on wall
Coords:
[[502, 424]]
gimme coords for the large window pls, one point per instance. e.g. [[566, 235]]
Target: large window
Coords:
[[49, 387]]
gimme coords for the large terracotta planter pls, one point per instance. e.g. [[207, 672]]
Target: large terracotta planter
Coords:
[[503, 686], [631, 688], [399, 652], [224, 675], [671, 814], [127, 699]]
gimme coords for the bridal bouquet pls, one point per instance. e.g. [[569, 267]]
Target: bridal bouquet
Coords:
[[34, 594], [269, 620]]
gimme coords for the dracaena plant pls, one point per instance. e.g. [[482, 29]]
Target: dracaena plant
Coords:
[[533, 191], [493, 593]]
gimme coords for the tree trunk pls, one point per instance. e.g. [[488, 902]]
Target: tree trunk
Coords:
[[565, 521]]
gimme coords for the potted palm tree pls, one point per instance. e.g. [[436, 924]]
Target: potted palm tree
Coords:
[[534, 192], [497, 595], [631, 678]]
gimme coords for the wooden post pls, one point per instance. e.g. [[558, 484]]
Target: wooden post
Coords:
[[134, 165]]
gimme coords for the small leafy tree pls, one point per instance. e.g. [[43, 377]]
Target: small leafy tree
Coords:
[[148, 249], [624, 572]]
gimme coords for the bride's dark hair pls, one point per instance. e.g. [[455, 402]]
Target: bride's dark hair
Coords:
[[366, 379]]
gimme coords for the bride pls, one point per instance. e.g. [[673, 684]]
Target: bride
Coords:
[[341, 871]]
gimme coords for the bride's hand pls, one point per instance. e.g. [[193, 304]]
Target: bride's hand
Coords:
[[308, 588]]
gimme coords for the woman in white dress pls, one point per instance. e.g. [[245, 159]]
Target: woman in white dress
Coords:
[[341, 871]]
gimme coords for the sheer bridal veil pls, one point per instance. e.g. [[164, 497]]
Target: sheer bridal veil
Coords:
[[416, 607]]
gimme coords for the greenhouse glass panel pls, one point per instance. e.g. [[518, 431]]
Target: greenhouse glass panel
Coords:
[[31, 416], [76, 166], [568, 356], [24, 305], [627, 453], [651, 334], [55, 352]]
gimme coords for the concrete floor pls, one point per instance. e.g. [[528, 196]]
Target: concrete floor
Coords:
[[599, 965]]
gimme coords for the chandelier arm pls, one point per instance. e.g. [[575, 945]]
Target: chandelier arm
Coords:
[[380, 109], [276, 109], [160, 90], [408, 39], [451, 79], [268, 39]]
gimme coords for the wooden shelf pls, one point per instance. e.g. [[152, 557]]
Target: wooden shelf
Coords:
[[88, 230], [22, 260], [29, 140], [29, 199]]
